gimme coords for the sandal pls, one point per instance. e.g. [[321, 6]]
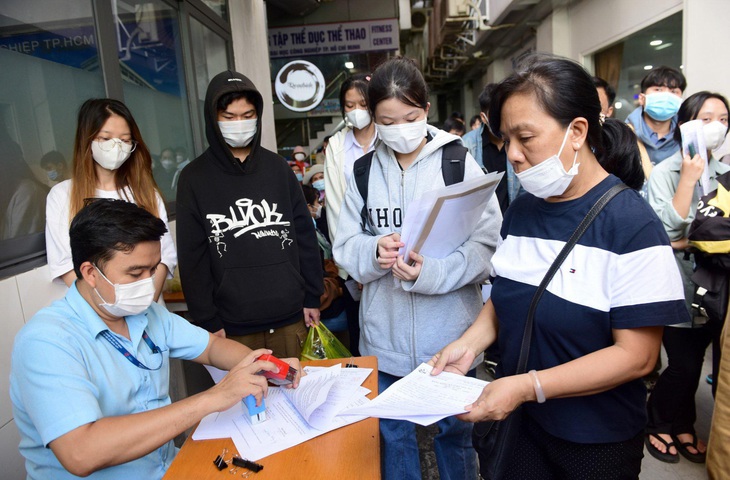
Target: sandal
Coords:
[[698, 457], [661, 456]]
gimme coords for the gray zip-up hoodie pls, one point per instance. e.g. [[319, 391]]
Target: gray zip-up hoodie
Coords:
[[406, 323]]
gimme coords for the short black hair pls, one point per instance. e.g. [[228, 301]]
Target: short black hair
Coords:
[[474, 119], [610, 92], [453, 123], [230, 97], [52, 157], [664, 76], [485, 98], [106, 226]]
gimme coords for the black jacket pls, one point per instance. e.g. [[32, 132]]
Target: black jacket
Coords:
[[248, 253]]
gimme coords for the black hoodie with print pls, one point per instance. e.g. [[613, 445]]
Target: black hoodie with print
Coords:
[[248, 253]]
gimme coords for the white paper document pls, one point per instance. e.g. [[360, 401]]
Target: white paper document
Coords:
[[293, 416], [437, 223], [693, 134], [422, 398]]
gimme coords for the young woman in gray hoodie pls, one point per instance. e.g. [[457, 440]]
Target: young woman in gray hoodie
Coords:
[[411, 306]]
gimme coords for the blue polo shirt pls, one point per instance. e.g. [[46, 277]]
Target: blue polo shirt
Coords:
[[620, 275], [64, 374]]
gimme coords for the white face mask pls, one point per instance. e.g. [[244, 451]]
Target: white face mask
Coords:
[[714, 134], [358, 118], [549, 178], [168, 163], [111, 154], [318, 211], [404, 137], [130, 298], [238, 133]]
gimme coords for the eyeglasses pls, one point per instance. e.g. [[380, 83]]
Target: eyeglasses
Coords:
[[108, 144]]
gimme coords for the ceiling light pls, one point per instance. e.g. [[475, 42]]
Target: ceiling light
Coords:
[[662, 47], [655, 43], [648, 67], [618, 105], [349, 65]]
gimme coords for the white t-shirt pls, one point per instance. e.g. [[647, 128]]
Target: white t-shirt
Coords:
[[58, 244]]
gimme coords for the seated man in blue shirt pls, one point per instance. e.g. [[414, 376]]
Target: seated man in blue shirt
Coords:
[[90, 374]]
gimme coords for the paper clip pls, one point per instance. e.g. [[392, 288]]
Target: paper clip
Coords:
[[351, 363]]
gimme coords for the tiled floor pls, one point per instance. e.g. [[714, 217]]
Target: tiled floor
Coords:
[[651, 469]]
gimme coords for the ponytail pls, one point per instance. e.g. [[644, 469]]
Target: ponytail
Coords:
[[619, 153]]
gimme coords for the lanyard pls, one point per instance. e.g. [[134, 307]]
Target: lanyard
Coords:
[[115, 343]]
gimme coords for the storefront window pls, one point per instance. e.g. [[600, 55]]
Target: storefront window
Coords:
[[49, 66], [150, 56], [210, 57], [218, 6], [625, 64]]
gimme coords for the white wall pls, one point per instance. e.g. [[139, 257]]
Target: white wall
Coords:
[[595, 24], [705, 42], [251, 57]]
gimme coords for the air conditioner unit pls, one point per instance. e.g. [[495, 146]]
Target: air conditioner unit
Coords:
[[474, 9]]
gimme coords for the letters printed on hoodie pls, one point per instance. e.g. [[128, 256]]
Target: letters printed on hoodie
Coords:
[[248, 217]]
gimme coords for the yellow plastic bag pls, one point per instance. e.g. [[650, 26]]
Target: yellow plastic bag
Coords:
[[322, 344]]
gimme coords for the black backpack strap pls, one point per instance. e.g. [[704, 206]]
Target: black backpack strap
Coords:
[[361, 169], [453, 162]]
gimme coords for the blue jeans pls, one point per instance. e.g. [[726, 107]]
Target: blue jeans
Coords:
[[455, 455]]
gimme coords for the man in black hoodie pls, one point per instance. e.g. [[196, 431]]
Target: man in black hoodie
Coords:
[[248, 254]]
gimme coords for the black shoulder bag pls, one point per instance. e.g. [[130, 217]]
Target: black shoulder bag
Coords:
[[494, 440]]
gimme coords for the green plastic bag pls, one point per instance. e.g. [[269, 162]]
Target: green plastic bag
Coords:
[[322, 344]]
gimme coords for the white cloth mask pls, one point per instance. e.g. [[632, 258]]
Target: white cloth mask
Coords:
[[111, 154], [714, 134], [549, 178], [358, 118], [129, 298], [238, 133], [404, 137]]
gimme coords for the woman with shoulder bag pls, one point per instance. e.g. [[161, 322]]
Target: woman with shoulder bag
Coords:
[[596, 329]]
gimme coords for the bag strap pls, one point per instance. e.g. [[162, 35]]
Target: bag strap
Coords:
[[582, 227], [646, 164], [361, 169], [453, 162]]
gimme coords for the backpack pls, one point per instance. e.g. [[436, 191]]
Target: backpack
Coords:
[[453, 163]]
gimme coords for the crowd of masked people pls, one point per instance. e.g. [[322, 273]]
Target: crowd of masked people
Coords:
[[593, 243]]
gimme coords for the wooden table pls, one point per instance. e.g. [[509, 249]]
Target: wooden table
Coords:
[[351, 452]]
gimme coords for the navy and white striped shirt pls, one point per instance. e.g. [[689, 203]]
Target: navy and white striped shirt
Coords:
[[621, 274]]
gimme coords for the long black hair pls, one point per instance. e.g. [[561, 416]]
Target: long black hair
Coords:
[[565, 91], [359, 82]]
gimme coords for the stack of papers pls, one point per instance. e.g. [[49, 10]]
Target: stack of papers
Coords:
[[293, 416], [422, 398], [441, 220]]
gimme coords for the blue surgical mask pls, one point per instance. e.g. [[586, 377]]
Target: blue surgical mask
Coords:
[[52, 175], [319, 185], [662, 106], [300, 177]]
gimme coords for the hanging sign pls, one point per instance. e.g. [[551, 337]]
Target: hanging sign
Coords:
[[331, 38]]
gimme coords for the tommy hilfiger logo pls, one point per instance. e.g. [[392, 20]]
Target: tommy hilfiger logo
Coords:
[[572, 270]]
